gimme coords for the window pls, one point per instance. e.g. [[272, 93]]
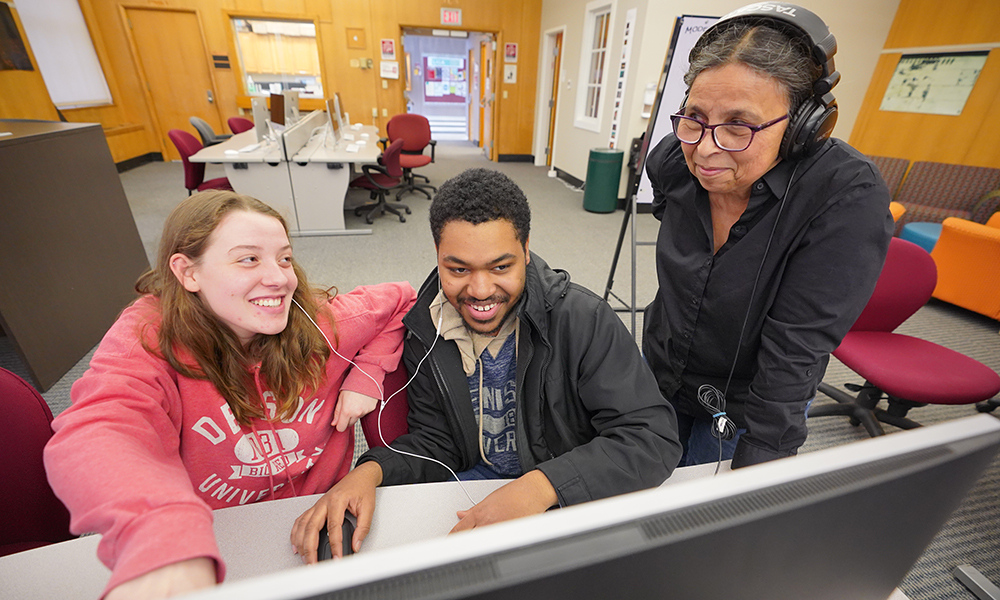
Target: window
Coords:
[[277, 55], [65, 53], [593, 65]]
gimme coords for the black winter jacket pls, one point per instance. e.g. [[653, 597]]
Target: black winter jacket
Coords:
[[589, 413]]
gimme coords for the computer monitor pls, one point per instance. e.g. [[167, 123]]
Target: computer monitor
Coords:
[[847, 522], [333, 121], [338, 111], [258, 108], [291, 107], [278, 109]]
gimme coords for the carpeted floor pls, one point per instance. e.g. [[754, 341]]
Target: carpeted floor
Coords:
[[583, 243]]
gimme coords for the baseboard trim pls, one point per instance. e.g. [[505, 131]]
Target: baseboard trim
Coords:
[[138, 161], [530, 158]]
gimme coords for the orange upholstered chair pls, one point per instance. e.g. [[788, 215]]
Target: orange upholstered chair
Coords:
[[968, 261]]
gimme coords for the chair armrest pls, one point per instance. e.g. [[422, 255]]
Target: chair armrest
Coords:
[[383, 141], [994, 220], [968, 260], [434, 144], [367, 169], [897, 210]]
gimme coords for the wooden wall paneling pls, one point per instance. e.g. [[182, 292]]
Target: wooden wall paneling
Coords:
[[984, 129], [968, 138], [920, 23]]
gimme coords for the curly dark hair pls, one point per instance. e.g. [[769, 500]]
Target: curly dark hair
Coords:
[[477, 196]]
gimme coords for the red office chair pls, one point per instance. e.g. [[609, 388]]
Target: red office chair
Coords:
[[910, 371], [415, 131], [32, 515], [194, 173], [381, 180], [239, 124]]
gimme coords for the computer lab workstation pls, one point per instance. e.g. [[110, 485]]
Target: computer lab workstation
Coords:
[[300, 165], [821, 526]]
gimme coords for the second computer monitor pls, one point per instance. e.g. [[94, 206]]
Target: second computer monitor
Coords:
[[258, 107], [338, 112]]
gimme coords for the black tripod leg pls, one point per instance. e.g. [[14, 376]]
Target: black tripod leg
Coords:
[[618, 249]]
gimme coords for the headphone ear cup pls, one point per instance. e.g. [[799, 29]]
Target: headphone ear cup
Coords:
[[808, 128]]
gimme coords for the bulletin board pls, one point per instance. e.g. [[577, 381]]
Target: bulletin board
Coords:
[[445, 79], [670, 92]]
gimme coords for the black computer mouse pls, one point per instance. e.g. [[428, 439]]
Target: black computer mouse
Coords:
[[324, 551]]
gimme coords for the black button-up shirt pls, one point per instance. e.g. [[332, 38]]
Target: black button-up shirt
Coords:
[[823, 257]]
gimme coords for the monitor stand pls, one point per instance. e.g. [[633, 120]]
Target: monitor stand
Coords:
[[976, 582]]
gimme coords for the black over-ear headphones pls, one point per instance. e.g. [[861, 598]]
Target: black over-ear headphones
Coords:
[[813, 121]]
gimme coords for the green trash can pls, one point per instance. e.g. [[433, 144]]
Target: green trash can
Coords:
[[604, 170]]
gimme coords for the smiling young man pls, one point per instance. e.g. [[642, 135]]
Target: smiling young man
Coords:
[[527, 377]]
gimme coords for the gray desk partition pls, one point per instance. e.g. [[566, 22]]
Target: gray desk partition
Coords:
[[69, 245]]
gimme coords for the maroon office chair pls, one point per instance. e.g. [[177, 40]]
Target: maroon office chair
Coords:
[[909, 371], [380, 180], [239, 124], [415, 131], [194, 173], [32, 515]]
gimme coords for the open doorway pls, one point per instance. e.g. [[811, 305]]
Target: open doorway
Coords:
[[445, 80], [551, 69]]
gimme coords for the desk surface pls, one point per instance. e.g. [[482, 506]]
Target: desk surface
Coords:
[[253, 539], [269, 151], [363, 143]]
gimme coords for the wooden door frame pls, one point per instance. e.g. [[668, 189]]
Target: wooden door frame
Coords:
[[137, 62], [543, 113]]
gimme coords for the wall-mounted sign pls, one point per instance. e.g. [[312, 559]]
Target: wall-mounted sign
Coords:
[[389, 69], [388, 49], [451, 16], [510, 53], [510, 73]]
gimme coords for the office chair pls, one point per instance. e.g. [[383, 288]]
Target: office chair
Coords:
[[415, 131], [208, 136], [240, 124], [194, 173], [32, 515], [910, 371], [379, 180]]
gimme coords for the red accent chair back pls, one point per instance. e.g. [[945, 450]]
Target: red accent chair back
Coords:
[[194, 172], [380, 180], [239, 124], [415, 131], [908, 371], [32, 515]]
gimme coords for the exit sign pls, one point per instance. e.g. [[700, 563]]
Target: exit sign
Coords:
[[451, 16]]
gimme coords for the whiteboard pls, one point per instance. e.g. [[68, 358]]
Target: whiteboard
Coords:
[[670, 92]]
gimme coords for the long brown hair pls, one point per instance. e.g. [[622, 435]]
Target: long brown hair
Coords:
[[291, 361]]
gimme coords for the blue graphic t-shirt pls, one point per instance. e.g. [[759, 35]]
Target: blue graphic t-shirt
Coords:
[[499, 391]]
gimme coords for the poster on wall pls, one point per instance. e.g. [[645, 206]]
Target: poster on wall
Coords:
[[936, 84], [445, 79], [13, 54]]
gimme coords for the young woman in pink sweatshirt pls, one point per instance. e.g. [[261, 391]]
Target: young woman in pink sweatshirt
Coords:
[[217, 387]]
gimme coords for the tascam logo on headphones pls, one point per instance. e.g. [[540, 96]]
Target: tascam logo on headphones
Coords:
[[764, 7]]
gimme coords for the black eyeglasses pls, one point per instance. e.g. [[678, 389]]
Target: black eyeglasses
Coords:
[[731, 137]]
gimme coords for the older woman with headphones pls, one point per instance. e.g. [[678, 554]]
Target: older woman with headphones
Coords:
[[772, 236]]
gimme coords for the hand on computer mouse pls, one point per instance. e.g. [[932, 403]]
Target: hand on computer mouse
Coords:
[[325, 551], [354, 494]]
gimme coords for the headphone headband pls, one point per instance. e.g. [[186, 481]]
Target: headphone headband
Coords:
[[802, 22], [812, 122]]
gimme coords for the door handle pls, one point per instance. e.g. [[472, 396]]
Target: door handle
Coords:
[[210, 98]]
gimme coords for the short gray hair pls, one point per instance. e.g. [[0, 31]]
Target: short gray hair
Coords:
[[768, 50]]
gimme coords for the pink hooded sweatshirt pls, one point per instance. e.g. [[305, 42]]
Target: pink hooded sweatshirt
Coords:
[[145, 454]]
